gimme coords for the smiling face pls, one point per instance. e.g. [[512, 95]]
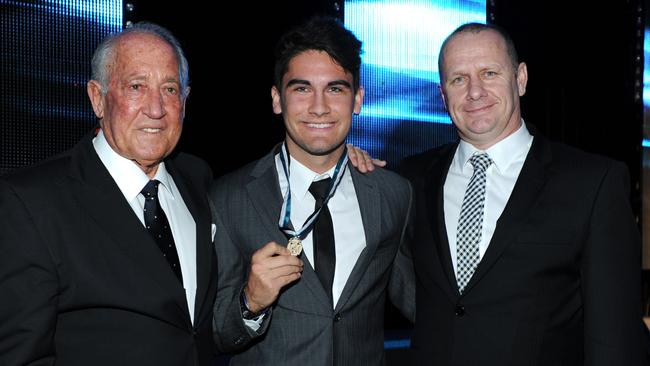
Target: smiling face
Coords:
[[141, 115], [481, 87], [317, 101]]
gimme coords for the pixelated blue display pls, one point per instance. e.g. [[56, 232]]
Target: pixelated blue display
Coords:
[[403, 113], [45, 62]]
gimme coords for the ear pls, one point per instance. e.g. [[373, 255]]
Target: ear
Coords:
[[276, 100], [358, 99], [442, 94], [94, 91], [186, 93], [522, 78]]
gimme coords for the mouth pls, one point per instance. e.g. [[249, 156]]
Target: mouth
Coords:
[[478, 109], [151, 130], [319, 125]]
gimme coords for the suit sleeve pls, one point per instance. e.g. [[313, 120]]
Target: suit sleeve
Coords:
[[230, 332], [29, 287], [613, 327], [401, 287]]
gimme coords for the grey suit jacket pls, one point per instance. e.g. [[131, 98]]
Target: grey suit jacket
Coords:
[[302, 328]]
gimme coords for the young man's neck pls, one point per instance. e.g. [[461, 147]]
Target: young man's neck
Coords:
[[317, 163]]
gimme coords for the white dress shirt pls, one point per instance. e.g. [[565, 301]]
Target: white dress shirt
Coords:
[[349, 237], [508, 156], [131, 179]]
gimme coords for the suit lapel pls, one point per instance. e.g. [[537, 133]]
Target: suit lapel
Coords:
[[434, 197], [264, 191], [370, 207], [524, 195], [103, 201], [196, 202]]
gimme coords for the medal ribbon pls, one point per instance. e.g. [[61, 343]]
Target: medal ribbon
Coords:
[[285, 215]]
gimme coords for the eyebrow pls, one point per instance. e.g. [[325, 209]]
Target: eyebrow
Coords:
[[339, 82]]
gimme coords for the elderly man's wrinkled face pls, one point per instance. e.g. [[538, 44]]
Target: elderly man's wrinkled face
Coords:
[[142, 112]]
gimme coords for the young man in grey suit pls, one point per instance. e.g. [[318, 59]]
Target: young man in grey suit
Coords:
[[320, 301]]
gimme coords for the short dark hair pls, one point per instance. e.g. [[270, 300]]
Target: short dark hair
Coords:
[[325, 34], [477, 28]]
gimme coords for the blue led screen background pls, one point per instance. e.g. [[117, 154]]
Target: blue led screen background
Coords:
[[403, 112], [45, 63], [646, 146]]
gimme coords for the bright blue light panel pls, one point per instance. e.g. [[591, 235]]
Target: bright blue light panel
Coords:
[[45, 63], [403, 113]]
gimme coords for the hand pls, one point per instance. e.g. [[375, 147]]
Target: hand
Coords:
[[362, 161], [272, 268]]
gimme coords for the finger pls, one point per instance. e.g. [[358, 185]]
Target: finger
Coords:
[[352, 155], [378, 162], [284, 271], [285, 280], [263, 264], [270, 249]]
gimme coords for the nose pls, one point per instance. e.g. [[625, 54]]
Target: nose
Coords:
[[318, 105], [476, 89], [154, 105]]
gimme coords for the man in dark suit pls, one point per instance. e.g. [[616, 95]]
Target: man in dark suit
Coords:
[[324, 304], [526, 251], [92, 270]]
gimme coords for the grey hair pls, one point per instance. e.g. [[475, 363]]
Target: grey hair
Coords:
[[105, 53]]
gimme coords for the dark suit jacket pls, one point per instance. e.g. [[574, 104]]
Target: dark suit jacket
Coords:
[[302, 328], [560, 281], [81, 280]]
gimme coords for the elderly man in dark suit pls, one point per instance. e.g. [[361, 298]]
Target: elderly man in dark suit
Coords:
[[106, 254], [526, 251], [320, 301]]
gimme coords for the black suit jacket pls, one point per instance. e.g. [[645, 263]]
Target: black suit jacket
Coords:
[[81, 280], [560, 281]]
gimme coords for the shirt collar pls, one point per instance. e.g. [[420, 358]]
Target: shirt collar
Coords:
[[503, 153], [301, 177], [129, 178]]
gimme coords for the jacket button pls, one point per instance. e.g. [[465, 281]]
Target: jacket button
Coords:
[[238, 340], [337, 317], [460, 310]]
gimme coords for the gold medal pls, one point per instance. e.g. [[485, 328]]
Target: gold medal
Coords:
[[295, 246]]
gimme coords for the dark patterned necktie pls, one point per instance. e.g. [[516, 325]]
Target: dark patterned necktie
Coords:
[[156, 222], [470, 222], [323, 237]]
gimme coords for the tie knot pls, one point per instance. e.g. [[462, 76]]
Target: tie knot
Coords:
[[151, 189], [480, 161], [320, 189]]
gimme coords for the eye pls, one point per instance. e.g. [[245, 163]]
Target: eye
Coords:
[[171, 90], [335, 89], [135, 86], [457, 80], [490, 73]]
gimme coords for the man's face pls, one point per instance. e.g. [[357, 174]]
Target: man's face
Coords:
[[142, 112], [481, 88], [317, 102]]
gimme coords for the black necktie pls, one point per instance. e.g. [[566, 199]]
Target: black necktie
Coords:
[[156, 222], [323, 237]]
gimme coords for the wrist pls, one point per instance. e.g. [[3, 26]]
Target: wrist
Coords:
[[249, 309]]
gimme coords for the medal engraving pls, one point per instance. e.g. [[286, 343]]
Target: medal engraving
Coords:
[[295, 246]]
